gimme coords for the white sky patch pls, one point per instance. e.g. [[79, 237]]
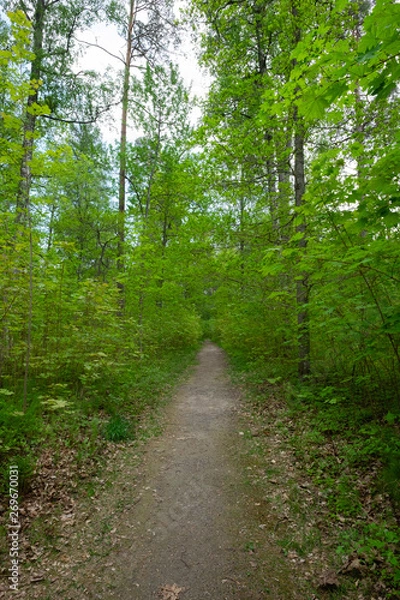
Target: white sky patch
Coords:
[[99, 60]]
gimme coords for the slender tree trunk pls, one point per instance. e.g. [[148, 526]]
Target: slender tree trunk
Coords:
[[164, 242], [283, 152], [28, 338], [359, 115], [23, 215], [146, 214], [242, 246], [140, 320], [51, 227], [122, 159], [302, 289], [273, 195], [24, 188]]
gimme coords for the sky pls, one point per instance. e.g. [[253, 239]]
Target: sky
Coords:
[[107, 37]]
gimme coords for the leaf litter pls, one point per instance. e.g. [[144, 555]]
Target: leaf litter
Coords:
[[304, 525], [171, 592]]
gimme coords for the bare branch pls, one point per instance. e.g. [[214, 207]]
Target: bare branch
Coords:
[[121, 59], [49, 4], [79, 121]]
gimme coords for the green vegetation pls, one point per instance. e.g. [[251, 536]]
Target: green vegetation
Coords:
[[349, 454], [272, 227], [83, 423]]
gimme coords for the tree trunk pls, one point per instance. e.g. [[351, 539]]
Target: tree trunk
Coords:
[[24, 188], [28, 338], [122, 158], [302, 289]]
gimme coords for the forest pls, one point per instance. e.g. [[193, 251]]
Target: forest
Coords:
[[270, 226]]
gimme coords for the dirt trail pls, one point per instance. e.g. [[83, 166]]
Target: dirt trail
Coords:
[[179, 522], [191, 521], [185, 534]]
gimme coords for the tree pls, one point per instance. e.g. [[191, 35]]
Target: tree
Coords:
[[161, 110], [145, 27], [52, 25]]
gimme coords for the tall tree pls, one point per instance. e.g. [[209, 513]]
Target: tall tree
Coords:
[[160, 109], [123, 140], [57, 92], [148, 29]]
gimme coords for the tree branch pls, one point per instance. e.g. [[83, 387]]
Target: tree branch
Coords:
[[81, 121], [121, 59]]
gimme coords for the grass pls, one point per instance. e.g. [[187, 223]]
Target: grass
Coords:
[[118, 429]]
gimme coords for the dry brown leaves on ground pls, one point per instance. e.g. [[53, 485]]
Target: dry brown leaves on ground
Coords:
[[48, 511], [170, 592], [304, 527]]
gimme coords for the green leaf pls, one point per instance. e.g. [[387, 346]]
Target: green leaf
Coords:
[[336, 90], [300, 235], [55, 403], [391, 219], [312, 105], [390, 418], [370, 54], [5, 392]]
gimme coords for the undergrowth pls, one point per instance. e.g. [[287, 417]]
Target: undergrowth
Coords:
[[349, 450], [110, 409]]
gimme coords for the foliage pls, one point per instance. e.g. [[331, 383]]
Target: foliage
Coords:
[[117, 429], [276, 223]]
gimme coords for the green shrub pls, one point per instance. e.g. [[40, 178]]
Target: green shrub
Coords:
[[118, 429]]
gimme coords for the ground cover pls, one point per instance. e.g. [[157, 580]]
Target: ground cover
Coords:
[[321, 470]]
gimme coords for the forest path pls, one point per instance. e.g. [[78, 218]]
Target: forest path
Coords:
[[190, 534], [185, 532], [176, 520]]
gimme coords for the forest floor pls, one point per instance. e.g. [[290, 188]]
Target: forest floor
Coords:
[[183, 516]]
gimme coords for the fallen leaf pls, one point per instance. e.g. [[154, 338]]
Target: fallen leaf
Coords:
[[253, 564], [36, 577], [170, 592], [328, 580], [353, 566]]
